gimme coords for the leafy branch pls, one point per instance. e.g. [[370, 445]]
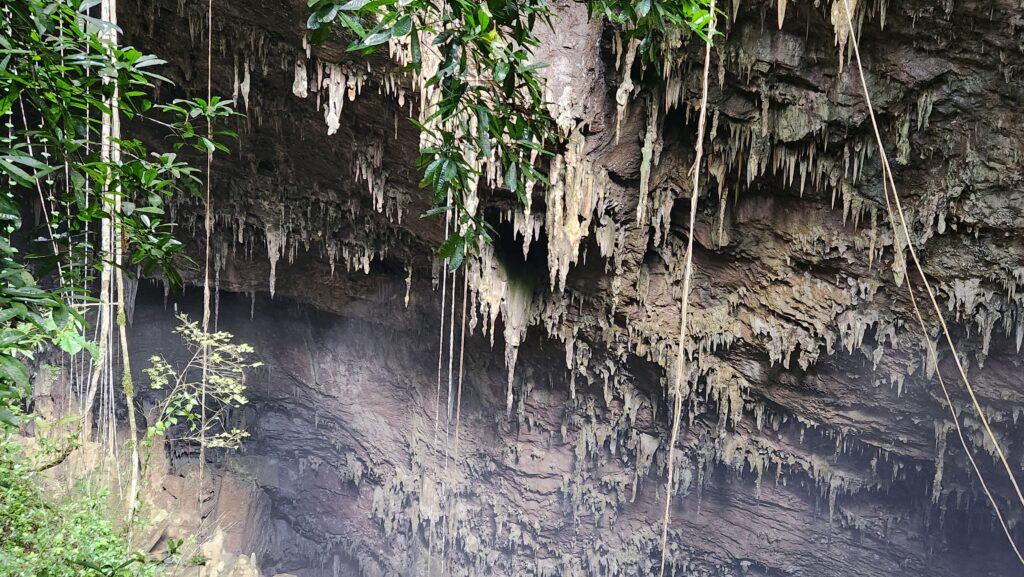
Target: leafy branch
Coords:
[[57, 78], [648, 22], [485, 116], [488, 116], [224, 389]]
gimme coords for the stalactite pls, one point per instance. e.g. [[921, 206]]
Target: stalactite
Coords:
[[842, 27], [494, 292], [577, 189], [942, 429], [622, 95], [336, 84], [276, 241], [300, 86], [648, 158]]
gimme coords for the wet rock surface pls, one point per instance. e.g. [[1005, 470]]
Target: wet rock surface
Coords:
[[815, 438]]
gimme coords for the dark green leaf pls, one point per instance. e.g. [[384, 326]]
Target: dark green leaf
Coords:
[[402, 27]]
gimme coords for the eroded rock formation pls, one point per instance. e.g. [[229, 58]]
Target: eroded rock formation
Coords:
[[815, 439]]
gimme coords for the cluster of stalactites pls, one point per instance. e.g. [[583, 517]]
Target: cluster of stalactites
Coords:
[[601, 438], [245, 227], [334, 83], [494, 291], [576, 191]]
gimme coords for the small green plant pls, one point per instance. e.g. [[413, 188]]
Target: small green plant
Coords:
[[183, 408], [71, 536], [193, 117]]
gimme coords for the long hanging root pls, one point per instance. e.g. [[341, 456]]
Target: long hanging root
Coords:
[[446, 484], [117, 245], [462, 358], [458, 402], [208, 226], [890, 185], [956, 422], [129, 395], [108, 142], [677, 396], [440, 366], [127, 385]]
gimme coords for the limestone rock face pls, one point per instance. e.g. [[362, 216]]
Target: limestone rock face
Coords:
[[815, 439], [220, 563]]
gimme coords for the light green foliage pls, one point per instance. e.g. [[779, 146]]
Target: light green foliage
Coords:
[[30, 317], [56, 76], [71, 536], [648, 21], [224, 389], [58, 79], [194, 117], [491, 106]]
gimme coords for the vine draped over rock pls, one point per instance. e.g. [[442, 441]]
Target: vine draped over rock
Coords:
[[483, 113]]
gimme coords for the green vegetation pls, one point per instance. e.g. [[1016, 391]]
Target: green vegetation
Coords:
[[41, 537], [200, 409], [485, 97], [59, 74], [65, 86], [72, 536], [649, 21], [79, 534]]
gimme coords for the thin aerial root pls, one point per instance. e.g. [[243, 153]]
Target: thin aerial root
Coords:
[[889, 183], [462, 358], [208, 226], [677, 396]]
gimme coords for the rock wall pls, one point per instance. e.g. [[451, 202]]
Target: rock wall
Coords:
[[815, 438]]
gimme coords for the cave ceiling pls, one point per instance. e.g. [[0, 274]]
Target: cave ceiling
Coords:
[[815, 438]]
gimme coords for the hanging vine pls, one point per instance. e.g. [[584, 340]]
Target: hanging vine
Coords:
[[681, 371], [898, 222], [483, 116]]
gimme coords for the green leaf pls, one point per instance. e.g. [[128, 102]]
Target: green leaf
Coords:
[[70, 341], [414, 50], [376, 39], [9, 211], [512, 177], [449, 246], [500, 71], [436, 211], [354, 5], [483, 121], [456, 259], [403, 27], [352, 24], [18, 175], [8, 99], [483, 16], [13, 371]]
